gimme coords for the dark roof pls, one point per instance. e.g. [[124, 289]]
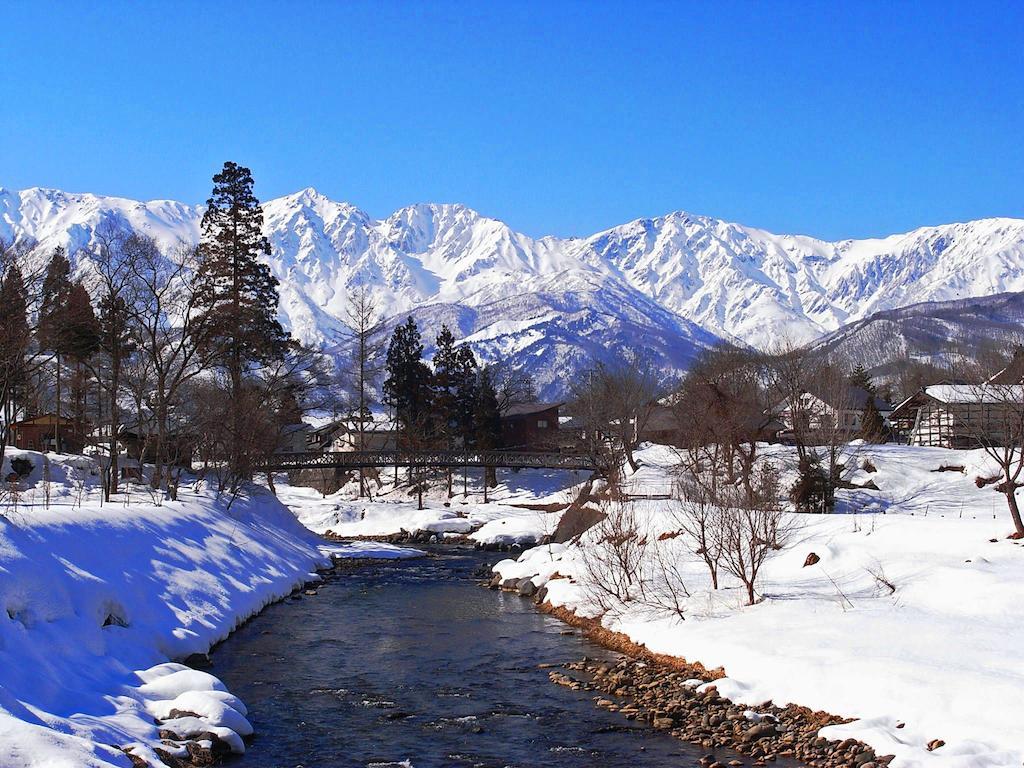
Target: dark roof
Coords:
[[856, 399], [525, 409]]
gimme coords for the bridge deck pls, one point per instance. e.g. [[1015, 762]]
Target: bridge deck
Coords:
[[439, 459]]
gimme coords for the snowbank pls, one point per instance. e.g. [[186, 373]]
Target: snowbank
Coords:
[[489, 524], [95, 602], [938, 658]]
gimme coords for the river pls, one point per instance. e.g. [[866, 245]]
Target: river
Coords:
[[413, 661]]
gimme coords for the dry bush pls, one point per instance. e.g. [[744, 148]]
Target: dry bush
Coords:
[[614, 560]]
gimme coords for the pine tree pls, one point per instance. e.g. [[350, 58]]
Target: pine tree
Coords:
[[872, 425], [466, 393], [407, 386], [445, 376], [466, 396], [238, 292], [56, 292], [860, 378], [487, 422], [81, 340], [14, 343]]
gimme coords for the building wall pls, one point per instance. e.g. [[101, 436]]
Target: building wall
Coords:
[[530, 431]]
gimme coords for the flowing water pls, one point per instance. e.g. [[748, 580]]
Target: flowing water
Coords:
[[413, 661]]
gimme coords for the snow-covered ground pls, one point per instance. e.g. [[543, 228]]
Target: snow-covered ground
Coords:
[[509, 517], [938, 658], [97, 602]]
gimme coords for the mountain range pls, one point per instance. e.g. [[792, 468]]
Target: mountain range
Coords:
[[670, 286]]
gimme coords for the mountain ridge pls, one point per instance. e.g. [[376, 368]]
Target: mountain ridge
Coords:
[[682, 276]]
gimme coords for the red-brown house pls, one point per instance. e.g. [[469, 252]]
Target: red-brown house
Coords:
[[530, 426], [47, 432]]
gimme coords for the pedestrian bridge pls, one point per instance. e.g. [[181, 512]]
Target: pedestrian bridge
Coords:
[[283, 462]]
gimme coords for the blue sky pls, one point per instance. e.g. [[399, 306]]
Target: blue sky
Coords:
[[559, 118]]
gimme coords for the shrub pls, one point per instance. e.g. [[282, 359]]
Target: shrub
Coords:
[[21, 466]]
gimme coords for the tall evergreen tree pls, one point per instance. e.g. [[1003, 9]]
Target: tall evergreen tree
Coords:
[[872, 425], [238, 292], [445, 377], [860, 378], [466, 393], [407, 383], [56, 292], [487, 422], [14, 343], [81, 340]]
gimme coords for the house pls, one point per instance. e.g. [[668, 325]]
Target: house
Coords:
[[821, 410], [294, 438], [960, 415], [530, 426], [379, 433], [136, 445], [47, 432]]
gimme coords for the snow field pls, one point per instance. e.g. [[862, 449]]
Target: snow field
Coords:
[[938, 658], [97, 601]]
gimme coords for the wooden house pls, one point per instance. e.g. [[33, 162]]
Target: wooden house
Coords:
[[48, 432], [961, 415], [530, 426]]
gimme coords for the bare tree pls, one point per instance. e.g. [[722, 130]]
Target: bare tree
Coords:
[[750, 536], [993, 417], [614, 557], [699, 518], [170, 322], [723, 408], [367, 347]]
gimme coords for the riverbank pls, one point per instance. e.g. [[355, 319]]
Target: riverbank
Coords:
[[681, 697], [905, 618], [101, 603]]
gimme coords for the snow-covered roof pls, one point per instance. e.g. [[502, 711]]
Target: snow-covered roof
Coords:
[[976, 393]]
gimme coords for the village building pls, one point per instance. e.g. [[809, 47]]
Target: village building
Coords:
[[48, 433], [819, 410], [960, 415], [530, 426], [379, 433], [137, 445], [294, 438]]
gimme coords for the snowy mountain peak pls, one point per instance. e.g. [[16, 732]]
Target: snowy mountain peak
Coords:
[[678, 276]]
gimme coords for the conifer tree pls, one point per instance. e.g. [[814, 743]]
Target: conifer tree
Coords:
[[407, 386], [466, 393], [14, 343], [872, 425], [239, 294], [487, 422], [860, 378], [56, 291], [81, 339]]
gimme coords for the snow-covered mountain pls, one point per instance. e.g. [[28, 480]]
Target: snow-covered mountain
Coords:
[[672, 284]]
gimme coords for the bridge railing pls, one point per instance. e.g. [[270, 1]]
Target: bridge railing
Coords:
[[391, 458]]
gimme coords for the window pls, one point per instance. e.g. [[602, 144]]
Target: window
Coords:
[[542, 423]]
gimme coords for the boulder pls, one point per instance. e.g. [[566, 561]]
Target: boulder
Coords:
[[526, 588]]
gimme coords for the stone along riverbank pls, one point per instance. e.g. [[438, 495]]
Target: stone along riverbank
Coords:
[[679, 698]]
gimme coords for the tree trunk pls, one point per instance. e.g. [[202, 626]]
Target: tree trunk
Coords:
[[56, 425], [1011, 502]]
